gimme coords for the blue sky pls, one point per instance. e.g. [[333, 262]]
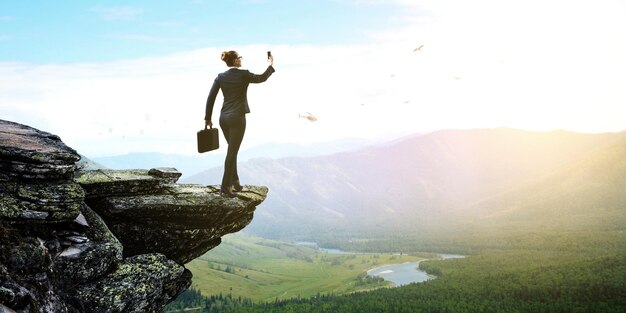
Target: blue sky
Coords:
[[78, 31], [113, 77]]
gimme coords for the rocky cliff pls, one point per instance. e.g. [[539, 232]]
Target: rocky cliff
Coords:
[[73, 240]]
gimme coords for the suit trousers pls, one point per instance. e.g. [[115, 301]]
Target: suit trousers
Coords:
[[233, 127]]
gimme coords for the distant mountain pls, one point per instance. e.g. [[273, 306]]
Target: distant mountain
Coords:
[[282, 150], [588, 194], [186, 164], [426, 181], [87, 164], [192, 164]]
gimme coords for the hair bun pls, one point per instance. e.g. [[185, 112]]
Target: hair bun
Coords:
[[224, 55]]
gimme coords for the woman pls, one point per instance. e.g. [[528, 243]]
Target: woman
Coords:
[[234, 84]]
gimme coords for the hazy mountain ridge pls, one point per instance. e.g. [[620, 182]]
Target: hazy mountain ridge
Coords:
[[587, 194], [190, 165], [186, 164], [447, 175]]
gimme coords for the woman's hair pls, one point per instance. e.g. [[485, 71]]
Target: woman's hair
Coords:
[[229, 57]]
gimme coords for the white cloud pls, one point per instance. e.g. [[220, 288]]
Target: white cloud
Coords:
[[118, 13], [562, 67], [549, 64]]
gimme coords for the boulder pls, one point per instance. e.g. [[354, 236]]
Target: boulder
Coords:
[[36, 170], [26, 152]]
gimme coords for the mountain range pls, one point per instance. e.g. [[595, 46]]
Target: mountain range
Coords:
[[189, 165], [500, 178]]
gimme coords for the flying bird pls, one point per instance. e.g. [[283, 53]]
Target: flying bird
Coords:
[[418, 48], [309, 117]]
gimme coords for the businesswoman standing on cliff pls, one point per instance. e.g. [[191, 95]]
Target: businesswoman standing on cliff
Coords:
[[234, 84]]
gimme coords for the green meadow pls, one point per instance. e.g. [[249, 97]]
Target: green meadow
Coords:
[[266, 270]]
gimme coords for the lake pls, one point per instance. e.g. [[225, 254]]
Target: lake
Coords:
[[399, 274], [406, 273]]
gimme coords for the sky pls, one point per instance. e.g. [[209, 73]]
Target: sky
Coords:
[[114, 77]]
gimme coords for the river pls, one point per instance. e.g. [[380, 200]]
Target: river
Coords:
[[406, 273], [399, 274]]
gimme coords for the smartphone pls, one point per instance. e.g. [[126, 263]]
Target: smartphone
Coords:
[[269, 54]]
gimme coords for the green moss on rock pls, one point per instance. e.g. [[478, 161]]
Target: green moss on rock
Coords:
[[143, 283], [10, 208]]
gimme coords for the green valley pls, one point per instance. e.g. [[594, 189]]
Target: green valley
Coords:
[[265, 270], [532, 272], [541, 218]]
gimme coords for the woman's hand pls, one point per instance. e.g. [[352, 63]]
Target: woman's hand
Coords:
[[208, 123], [271, 60]]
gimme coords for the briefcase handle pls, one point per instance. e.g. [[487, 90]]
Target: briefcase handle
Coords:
[[205, 126]]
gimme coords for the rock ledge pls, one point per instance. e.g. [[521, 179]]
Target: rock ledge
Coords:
[[100, 241]]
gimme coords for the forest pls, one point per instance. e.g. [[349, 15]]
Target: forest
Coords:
[[539, 272]]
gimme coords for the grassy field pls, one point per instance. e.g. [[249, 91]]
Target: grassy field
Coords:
[[264, 270]]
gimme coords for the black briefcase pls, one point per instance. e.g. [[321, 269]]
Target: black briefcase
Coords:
[[208, 139]]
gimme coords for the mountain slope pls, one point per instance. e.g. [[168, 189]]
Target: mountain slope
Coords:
[[588, 195], [419, 182]]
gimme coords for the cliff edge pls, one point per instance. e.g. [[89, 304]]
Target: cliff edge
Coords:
[[75, 240]]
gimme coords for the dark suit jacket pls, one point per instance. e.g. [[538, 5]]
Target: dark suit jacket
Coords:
[[234, 84]]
